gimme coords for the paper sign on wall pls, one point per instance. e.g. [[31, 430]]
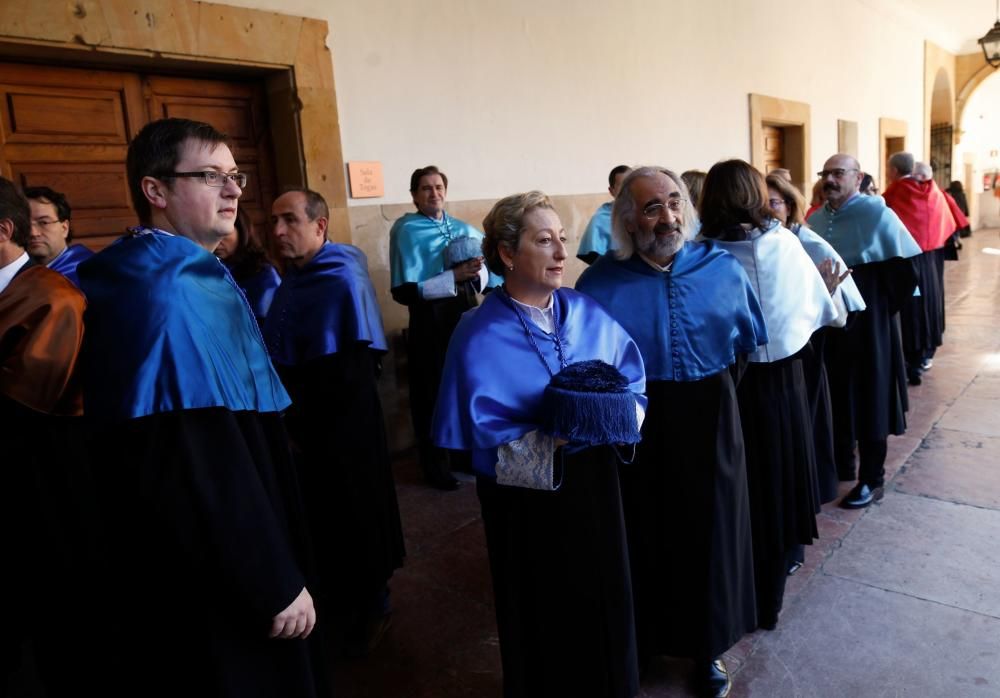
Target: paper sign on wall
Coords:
[[366, 179]]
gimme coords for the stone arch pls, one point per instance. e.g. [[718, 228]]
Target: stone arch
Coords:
[[942, 104]]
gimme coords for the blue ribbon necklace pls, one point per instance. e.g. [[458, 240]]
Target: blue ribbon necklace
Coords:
[[509, 300]]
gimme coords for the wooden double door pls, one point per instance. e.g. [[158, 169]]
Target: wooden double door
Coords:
[[69, 129]]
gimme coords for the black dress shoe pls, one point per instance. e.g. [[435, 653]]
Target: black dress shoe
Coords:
[[715, 682], [446, 483], [861, 496]]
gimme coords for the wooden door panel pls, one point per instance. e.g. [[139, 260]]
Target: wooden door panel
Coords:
[[69, 129], [58, 115]]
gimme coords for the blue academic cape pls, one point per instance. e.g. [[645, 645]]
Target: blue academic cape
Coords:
[[168, 329], [596, 237], [690, 322], [326, 305], [259, 290], [493, 380], [820, 250], [69, 259], [417, 244], [864, 230]]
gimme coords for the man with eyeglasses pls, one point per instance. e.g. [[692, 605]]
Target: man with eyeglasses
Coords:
[[690, 308], [596, 238], [918, 201], [51, 233], [207, 547], [325, 336], [864, 360]]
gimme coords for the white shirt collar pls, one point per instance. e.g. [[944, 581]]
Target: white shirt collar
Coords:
[[8, 272], [542, 317], [653, 264]]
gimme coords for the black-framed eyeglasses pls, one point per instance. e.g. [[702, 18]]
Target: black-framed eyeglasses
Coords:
[[213, 178], [43, 223], [837, 173], [654, 211]]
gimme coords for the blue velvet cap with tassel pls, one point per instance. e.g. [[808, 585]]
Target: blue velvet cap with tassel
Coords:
[[461, 250], [589, 403]]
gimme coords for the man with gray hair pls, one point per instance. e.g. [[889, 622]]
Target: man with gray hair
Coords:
[[690, 308], [920, 204]]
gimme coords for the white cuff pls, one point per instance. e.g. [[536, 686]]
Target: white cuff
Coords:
[[484, 277], [440, 286]]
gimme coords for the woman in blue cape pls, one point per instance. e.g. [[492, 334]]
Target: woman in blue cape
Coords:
[[551, 506], [773, 394], [246, 260]]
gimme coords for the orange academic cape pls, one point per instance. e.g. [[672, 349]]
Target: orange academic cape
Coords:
[[924, 211], [41, 329]]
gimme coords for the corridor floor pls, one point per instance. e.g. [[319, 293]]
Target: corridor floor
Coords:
[[900, 599]]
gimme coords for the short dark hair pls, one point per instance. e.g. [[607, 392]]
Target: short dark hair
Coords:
[[614, 173], [423, 172], [57, 199], [315, 203], [156, 150], [14, 207], [734, 193]]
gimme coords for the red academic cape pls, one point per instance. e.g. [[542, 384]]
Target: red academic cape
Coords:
[[960, 220], [924, 211]]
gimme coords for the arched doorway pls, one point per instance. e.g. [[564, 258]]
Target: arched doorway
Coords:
[[980, 149]]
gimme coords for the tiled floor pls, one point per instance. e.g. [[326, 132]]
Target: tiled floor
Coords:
[[901, 599]]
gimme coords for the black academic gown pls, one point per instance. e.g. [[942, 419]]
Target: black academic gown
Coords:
[[337, 430], [781, 473], [50, 545], [208, 543], [432, 322], [821, 411], [561, 583], [685, 501], [865, 363], [922, 317]]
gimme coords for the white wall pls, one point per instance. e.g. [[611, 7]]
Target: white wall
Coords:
[[507, 95]]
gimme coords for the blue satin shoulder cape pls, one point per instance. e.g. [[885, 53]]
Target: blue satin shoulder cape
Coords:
[[820, 250], [168, 329], [493, 380], [416, 247], [326, 305], [597, 236], [864, 230], [690, 322], [69, 259], [259, 290]]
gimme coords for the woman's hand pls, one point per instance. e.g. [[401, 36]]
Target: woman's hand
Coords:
[[830, 271], [467, 270]]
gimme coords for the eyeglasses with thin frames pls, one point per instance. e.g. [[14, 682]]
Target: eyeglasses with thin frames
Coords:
[[43, 223], [838, 173], [654, 211], [213, 178], [776, 203]]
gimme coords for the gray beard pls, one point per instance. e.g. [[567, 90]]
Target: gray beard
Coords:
[[654, 247]]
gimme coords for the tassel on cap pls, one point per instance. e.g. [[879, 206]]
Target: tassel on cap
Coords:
[[589, 403]]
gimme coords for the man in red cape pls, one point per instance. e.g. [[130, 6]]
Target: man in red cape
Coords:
[[922, 207]]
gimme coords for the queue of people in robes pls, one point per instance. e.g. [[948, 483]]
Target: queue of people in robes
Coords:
[[650, 449]]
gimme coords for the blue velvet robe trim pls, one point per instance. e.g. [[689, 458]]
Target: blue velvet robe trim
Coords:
[[326, 305], [597, 235], [864, 230], [168, 329], [417, 244], [260, 289], [690, 322], [493, 382], [69, 259]]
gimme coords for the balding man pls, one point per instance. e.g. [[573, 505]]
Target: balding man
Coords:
[[864, 360], [919, 203], [325, 337]]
